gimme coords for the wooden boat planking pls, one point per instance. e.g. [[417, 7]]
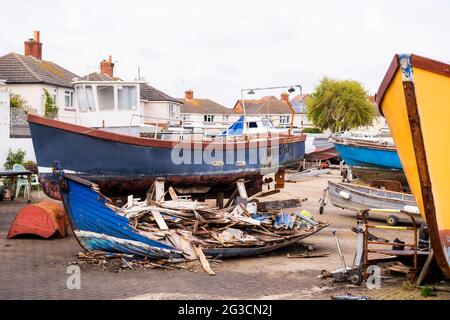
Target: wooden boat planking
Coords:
[[414, 97], [97, 226]]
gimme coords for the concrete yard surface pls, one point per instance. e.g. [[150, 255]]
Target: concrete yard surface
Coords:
[[37, 269]]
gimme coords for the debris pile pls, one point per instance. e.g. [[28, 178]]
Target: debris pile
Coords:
[[197, 230], [100, 261]]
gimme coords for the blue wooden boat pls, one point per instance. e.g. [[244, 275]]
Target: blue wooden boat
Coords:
[[98, 227], [124, 164], [368, 154]]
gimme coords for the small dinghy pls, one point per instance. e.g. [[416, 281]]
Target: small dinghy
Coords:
[[358, 198]]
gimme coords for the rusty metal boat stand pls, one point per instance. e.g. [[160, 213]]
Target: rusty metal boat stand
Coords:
[[372, 246]]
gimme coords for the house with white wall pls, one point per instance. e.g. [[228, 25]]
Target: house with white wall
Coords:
[[27, 75], [205, 114], [278, 110]]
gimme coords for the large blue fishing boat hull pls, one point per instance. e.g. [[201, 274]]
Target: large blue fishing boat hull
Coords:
[[128, 165], [369, 157]]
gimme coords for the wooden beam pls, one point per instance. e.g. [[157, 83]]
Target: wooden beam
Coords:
[[159, 220], [203, 260], [159, 189]]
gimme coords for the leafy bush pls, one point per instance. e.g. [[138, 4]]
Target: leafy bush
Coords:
[[16, 101], [50, 108], [427, 291], [13, 158], [312, 130]]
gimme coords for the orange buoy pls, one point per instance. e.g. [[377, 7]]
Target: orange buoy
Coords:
[[44, 219]]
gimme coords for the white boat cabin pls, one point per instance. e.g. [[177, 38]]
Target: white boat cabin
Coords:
[[109, 105]]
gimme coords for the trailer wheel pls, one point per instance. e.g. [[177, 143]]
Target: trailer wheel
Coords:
[[356, 277], [392, 220]]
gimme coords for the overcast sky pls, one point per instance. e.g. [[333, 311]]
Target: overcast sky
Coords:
[[218, 47]]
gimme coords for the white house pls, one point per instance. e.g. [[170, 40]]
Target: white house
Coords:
[[28, 75], [205, 114], [278, 110]]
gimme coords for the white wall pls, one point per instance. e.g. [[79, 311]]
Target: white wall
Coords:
[[34, 96], [5, 141], [158, 109]]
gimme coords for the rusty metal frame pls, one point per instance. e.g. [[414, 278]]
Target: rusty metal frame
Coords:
[[364, 215]]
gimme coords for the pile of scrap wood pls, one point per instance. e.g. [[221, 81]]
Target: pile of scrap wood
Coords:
[[97, 260], [197, 230]]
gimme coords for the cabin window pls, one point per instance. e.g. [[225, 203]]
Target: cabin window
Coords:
[[85, 96], [208, 118], [127, 97], [252, 125], [105, 96], [68, 98], [186, 117]]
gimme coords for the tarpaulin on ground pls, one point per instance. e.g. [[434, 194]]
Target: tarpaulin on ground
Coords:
[[44, 219]]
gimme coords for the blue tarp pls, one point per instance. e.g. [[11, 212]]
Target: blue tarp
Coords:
[[236, 129]]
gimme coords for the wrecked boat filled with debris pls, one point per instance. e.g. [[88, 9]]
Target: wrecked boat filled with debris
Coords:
[[178, 228]]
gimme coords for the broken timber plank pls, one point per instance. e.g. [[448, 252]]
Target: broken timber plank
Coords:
[[159, 189], [159, 220], [425, 269], [173, 194], [241, 188], [203, 260], [279, 204], [264, 194]]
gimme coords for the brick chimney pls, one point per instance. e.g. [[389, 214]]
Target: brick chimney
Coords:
[[107, 67], [285, 97], [189, 95], [33, 47]]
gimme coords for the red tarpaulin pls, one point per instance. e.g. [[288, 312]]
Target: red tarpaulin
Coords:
[[44, 219]]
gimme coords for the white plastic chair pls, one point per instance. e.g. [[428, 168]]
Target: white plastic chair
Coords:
[[21, 181], [35, 183]]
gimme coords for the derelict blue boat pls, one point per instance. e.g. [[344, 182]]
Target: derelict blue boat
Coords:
[[368, 154], [98, 227], [124, 164]]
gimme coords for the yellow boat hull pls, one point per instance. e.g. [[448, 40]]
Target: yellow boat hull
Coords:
[[414, 97]]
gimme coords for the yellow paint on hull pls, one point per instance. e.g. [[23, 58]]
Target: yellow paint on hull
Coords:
[[432, 92], [394, 110]]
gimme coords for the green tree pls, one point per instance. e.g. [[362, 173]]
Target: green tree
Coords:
[[340, 105], [50, 109], [13, 158]]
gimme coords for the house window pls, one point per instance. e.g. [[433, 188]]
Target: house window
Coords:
[[186, 117], [208, 118], [226, 119], [284, 119], [68, 99], [252, 125], [172, 111]]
